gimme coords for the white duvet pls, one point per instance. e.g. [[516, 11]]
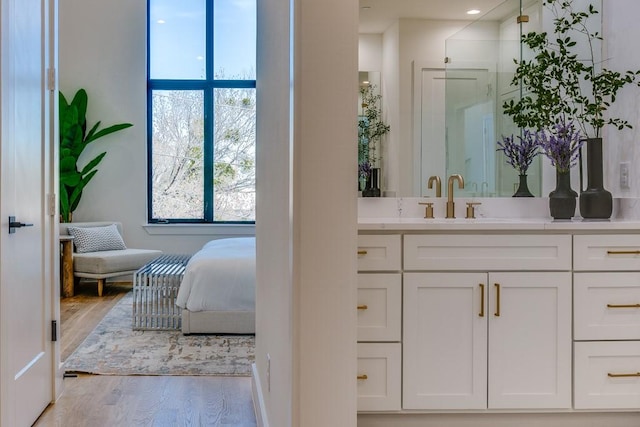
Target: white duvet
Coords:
[[220, 277]]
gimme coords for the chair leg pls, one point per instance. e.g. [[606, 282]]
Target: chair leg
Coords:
[[100, 286]]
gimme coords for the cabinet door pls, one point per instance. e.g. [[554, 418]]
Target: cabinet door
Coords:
[[379, 307], [529, 340], [444, 341]]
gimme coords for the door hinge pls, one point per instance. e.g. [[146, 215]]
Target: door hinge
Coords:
[[51, 79], [54, 330], [51, 204]]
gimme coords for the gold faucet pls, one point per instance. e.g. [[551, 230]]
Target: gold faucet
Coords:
[[451, 213], [435, 179]]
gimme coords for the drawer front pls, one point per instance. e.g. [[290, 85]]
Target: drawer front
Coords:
[[487, 252], [606, 252], [606, 306], [607, 375], [379, 307], [379, 253], [379, 377]]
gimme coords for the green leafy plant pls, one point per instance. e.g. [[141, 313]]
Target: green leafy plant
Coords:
[[560, 85], [74, 138], [371, 128]]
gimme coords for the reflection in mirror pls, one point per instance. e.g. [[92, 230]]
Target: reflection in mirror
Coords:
[[479, 71], [434, 133]]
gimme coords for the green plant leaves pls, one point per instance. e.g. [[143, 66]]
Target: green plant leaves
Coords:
[[73, 140]]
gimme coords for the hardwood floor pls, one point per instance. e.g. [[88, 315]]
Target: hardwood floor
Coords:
[[127, 401]]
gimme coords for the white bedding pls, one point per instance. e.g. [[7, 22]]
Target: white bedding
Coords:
[[220, 277]]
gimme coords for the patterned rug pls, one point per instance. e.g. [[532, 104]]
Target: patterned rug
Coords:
[[113, 348]]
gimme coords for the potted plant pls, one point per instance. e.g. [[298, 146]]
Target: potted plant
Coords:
[[559, 84], [562, 146], [519, 155], [371, 129], [74, 138]]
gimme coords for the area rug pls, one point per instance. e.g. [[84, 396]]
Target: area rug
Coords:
[[113, 348]]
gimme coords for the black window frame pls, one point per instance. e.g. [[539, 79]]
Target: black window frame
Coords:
[[207, 86]]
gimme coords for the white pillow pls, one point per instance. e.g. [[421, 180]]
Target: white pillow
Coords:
[[94, 239]]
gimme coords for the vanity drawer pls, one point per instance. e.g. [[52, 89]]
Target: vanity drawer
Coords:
[[487, 252], [606, 306], [607, 375], [606, 252], [379, 252], [379, 376], [379, 307]]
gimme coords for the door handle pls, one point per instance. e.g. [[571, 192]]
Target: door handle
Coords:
[[13, 224]]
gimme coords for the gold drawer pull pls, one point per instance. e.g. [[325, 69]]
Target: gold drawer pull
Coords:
[[362, 377], [623, 252], [633, 374], [362, 252], [497, 313], [481, 314], [363, 307], [623, 305]]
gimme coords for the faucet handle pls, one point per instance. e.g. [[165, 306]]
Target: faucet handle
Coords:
[[428, 210], [471, 212]]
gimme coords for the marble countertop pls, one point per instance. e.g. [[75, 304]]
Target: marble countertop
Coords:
[[495, 224], [492, 214]]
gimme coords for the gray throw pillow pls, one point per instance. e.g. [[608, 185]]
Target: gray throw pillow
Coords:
[[95, 239]]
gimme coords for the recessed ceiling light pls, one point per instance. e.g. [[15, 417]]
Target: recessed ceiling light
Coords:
[[473, 12], [161, 21]]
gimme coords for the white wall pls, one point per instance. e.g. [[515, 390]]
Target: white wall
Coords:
[[622, 53], [370, 52], [103, 49], [306, 225]]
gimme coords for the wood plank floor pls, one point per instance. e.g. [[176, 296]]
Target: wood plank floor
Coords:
[[127, 401]]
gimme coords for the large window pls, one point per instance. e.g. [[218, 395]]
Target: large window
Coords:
[[202, 110]]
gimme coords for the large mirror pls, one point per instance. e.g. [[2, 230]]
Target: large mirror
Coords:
[[444, 75]]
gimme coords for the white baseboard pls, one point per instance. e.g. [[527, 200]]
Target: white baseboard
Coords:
[[258, 399]]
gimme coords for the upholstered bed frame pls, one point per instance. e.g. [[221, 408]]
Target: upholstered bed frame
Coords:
[[222, 322]]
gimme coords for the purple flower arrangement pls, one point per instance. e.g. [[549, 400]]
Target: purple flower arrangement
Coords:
[[520, 153], [561, 145]]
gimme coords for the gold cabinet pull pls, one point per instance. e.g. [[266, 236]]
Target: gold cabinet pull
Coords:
[[481, 314], [362, 252], [623, 252], [362, 377], [632, 374], [363, 307], [623, 305], [497, 313]]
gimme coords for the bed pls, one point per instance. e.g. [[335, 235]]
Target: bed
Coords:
[[217, 292]]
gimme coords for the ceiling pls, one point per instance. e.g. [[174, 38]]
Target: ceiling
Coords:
[[382, 13]]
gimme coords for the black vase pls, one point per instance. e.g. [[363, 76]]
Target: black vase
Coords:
[[523, 188], [372, 188], [595, 201], [562, 200]]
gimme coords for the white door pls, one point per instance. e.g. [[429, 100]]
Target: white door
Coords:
[[445, 341], [530, 340], [26, 364]]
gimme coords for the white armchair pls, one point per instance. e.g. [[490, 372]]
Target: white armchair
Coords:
[[100, 253]]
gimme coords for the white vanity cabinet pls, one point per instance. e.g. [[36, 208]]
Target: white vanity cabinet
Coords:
[[379, 322], [607, 321], [486, 322]]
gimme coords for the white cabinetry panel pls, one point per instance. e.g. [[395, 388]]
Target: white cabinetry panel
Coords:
[[530, 340], [379, 368], [606, 252], [444, 341], [379, 253], [607, 375], [379, 307], [607, 306], [487, 252]]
